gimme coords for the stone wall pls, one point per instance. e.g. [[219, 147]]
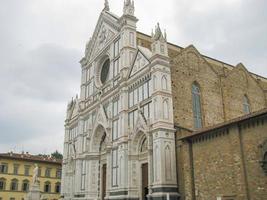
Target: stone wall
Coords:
[[222, 95], [187, 68], [222, 86], [224, 162], [235, 85], [253, 136]]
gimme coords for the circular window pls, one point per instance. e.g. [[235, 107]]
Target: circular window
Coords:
[[104, 71]]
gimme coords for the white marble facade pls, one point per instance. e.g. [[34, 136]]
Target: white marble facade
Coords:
[[119, 139]]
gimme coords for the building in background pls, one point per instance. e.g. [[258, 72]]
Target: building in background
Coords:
[[139, 129], [16, 175]]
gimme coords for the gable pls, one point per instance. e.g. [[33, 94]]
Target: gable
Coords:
[[101, 118], [104, 36], [140, 62], [243, 76], [106, 29], [140, 124], [191, 59]]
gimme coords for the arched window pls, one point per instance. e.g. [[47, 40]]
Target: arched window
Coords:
[[121, 167], [2, 184], [165, 109], [156, 172], [25, 185], [164, 83], [246, 105], [14, 185], [196, 106], [168, 164], [155, 109], [155, 82], [57, 188], [47, 187]]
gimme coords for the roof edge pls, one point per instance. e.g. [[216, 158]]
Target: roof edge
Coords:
[[227, 123]]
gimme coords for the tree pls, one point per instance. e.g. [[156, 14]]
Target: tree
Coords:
[[56, 155]]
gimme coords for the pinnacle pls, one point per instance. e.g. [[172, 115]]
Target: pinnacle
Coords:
[[106, 5]]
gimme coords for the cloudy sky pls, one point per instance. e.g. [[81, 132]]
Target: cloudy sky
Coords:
[[42, 41]]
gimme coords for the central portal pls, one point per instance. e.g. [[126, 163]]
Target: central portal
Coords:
[[144, 181], [104, 181]]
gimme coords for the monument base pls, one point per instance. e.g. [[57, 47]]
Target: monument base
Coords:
[[34, 193]]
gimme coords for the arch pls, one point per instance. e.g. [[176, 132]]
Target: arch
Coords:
[[155, 79], [47, 187], [166, 109], [14, 184], [25, 185], [168, 163], [99, 137], [246, 104], [155, 109], [137, 141], [121, 169], [156, 156], [164, 82], [143, 146], [57, 187], [2, 184], [196, 105]]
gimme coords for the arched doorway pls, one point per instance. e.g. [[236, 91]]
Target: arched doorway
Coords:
[[99, 142], [143, 159], [103, 166], [144, 177]]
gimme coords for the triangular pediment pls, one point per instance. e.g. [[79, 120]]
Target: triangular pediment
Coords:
[[193, 60], [141, 123], [140, 62], [101, 118], [242, 73], [106, 29]]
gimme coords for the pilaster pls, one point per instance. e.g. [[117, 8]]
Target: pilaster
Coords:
[[163, 133]]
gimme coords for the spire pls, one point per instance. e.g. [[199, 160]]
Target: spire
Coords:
[[159, 44], [106, 5], [128, 8], [165, 35], [158, 34]]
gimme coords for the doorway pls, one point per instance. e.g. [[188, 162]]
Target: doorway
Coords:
[[104, 181], [144, 181]]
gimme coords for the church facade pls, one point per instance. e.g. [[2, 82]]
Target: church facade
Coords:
[[142, 99]]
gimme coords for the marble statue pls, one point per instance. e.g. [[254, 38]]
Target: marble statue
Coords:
[[35, 174]]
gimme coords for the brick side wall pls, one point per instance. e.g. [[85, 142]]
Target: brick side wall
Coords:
[[225, 163], [222, 96], [237, 84], [187, 68], [253, 135]]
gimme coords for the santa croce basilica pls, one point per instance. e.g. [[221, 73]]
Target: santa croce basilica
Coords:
[[157, 121]]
